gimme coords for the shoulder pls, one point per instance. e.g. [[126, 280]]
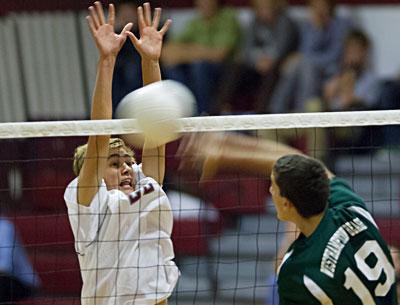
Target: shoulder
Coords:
[[98, 202], [70, 194], [344, 201], [341, 195], [340, 191]]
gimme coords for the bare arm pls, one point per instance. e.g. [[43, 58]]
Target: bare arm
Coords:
[[231, 153], [149, 47], [108, 43], [215, 153]]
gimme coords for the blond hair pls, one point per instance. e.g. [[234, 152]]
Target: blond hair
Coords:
[[80, 153]]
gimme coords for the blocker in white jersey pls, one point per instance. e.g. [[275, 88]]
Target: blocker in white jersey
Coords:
[[121, 219], [123, 243]]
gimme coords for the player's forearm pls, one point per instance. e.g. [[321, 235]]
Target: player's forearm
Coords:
[[94, 164], [150, 71], [153, 162], [252, 155], [101, 102], [237, 142], [243, 162], [153, 159]]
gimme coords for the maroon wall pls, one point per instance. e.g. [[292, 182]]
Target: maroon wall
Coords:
[[29, 5]]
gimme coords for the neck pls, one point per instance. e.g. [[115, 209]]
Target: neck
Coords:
[[307, 226]]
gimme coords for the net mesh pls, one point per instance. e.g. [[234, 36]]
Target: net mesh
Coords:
[[226, 236]]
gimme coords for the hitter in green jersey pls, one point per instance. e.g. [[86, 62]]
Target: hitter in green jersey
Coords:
[[339, 258]]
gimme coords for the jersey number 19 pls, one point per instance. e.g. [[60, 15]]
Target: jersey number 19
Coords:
[[352, 281]]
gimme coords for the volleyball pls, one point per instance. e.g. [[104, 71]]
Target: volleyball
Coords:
[[157, 108]]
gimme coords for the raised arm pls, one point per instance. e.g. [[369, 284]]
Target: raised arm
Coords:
[[149, 47], [108, 44], [231, 152]]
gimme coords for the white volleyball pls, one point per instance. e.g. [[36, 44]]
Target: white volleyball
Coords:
[[157, 108]]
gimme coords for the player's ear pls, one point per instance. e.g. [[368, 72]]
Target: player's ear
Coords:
[[287, 204]]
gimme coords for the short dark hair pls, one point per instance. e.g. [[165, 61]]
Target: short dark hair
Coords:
[[304, 181], [360, 37]]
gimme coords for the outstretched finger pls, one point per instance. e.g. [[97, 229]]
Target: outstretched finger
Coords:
[[156, 18], [141, 22], [94, 17], [165, 27], [111, 14], [147, 13], [134, 39], [126, 29], [100, 12], [91, 25]]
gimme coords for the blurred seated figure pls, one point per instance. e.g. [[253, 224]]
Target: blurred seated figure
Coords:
[[321, 46], [197, 57], [355, 86], [270, 38], [17, 278], [128, 70]]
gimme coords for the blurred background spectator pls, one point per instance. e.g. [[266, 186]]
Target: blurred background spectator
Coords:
[[270, 38], [322, 38], [198, 55], [355, 86], [17, 278]]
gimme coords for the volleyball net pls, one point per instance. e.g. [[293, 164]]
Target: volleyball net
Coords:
[[225, 235]]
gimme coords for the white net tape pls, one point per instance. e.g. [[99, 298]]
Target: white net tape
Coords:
[[202, 124]]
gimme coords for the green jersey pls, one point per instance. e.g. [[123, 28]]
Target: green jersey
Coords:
[[344, 262]]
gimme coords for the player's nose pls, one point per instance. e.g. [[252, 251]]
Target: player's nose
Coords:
[[125, 168]]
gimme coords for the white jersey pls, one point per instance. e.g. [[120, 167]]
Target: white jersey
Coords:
[[123, 244]]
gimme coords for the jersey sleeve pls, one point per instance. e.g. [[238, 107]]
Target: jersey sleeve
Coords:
[[342, 195], [85, 221]]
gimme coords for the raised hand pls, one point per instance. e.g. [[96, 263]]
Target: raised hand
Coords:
[[107, 41], [150, 43]]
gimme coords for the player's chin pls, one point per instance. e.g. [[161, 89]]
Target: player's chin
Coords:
[[126, 189]]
